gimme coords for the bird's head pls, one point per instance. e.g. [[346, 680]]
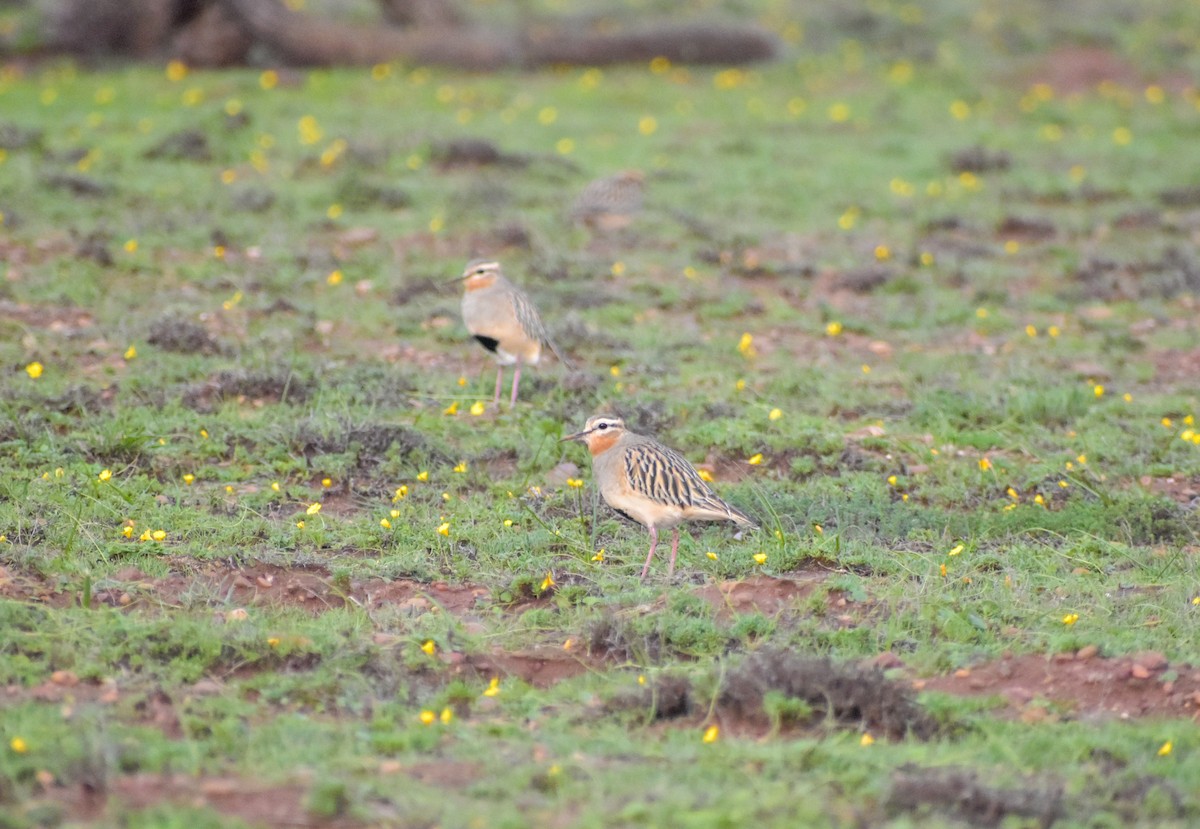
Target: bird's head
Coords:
[[599, 433], [480, 273]]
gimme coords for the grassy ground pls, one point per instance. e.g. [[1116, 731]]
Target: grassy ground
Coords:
[[921, 296]]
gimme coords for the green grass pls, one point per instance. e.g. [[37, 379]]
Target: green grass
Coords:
[[283, 298]]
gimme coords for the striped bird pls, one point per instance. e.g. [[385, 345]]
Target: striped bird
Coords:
[[503, 320], [610, 203], [650, 483]]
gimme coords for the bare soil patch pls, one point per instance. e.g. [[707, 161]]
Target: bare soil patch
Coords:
[[1082, 685], [760, 594], [539, 667], [256, 803]]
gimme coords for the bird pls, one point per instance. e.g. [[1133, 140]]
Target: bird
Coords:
[[610, 203], [504, 321], [650, 483]]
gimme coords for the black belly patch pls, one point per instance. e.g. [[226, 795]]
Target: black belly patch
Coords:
[[625, 515], [489, 343]]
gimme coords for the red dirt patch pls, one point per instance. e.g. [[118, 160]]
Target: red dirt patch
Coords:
[[60, 319], [1073, 69], [255, 803], [763, 594], [540, 668], [1085, 685], [310, 588], [1181, 490]]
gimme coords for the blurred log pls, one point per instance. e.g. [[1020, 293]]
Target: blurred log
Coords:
[[406, 13], [428, 32], [304, 40]]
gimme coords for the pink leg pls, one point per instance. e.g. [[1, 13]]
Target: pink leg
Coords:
[[653, 544], [674, 550], [496, 397], [516, 382]]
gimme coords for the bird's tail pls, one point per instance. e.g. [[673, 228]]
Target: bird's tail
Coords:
[[562, 359]]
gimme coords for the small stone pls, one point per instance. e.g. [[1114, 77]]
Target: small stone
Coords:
[[1151, 660], [887, 660], [238, 614], [414, 606], [1019, 696], [207, 687], [962, 673], [265, 581], [1086, 652], [1139, 671], [1064, 656], [390, 767], [67, 679]]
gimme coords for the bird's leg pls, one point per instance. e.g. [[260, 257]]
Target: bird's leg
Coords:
[[516, 382], [674, 550], [499, 377], [653, 544]]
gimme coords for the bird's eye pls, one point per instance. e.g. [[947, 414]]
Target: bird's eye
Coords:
[[602, 426]]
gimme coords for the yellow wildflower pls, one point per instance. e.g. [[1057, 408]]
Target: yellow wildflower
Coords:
[[18, 745], [452, 409], [866, 740], [760, 558], [774, 414], [833, 329], [430, 647], [711, 734], [576, 483], [427, 717], [423, 475], [548, 582], [34, 370], [755, 459], [712, 556], [446, 716], [1070, 619], [105, 475], [313, 508], [493, 688], [746, 345], [189, 478], [461, 467], [477, 408], [958, 548], [131, 352]]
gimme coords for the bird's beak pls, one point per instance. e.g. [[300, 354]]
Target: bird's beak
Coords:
[[576, 436], [456, 279]]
